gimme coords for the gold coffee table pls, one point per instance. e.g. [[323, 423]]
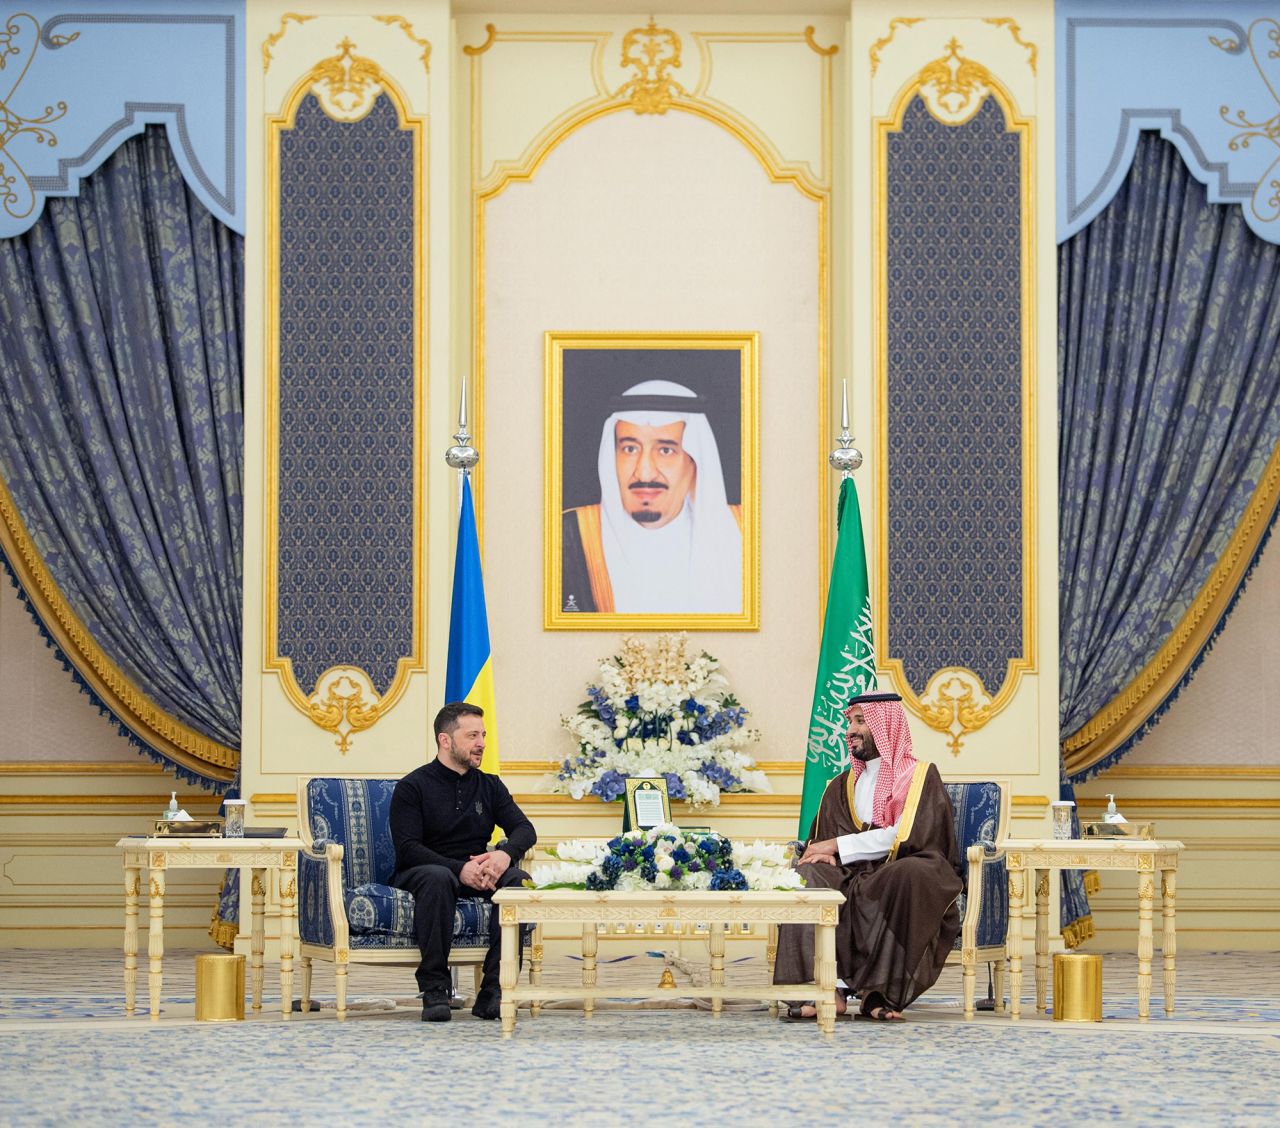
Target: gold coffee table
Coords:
[[819, 907]]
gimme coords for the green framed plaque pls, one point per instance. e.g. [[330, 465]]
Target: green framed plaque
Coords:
[[647, 804]]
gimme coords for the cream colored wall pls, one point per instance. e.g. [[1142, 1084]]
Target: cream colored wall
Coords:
[[650, 222]]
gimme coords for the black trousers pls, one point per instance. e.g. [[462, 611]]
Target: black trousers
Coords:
[[436, 890]]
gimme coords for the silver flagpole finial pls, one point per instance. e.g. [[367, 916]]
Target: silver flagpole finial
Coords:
[[462, 455], [846, 457]]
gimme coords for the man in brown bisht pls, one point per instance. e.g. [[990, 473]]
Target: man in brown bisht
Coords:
[[884, 836]]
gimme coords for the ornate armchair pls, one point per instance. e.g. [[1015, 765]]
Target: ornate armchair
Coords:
[[347, 911], [981, 813]]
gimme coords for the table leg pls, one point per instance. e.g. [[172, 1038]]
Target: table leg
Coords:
[[590, 941], [825, 974], [155, 941], [1017, 883], [1042, 941], [288, 894], [257, 933], [509, 968], [1146, 898], [535, 969], [1169, 943], [715, 944], [132, 884]]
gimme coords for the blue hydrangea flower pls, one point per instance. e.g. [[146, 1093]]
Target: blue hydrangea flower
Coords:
[[675, 785]]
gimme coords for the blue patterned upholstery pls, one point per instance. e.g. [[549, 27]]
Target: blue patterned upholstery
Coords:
[[356, 813], [976, 808]]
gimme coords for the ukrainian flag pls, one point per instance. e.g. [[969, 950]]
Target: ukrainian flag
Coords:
[[469, 676]]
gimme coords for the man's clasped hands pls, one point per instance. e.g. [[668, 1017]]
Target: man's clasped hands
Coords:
[[483, 870]]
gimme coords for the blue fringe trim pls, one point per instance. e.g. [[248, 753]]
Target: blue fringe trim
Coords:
[[218, 787], [1114, 758]]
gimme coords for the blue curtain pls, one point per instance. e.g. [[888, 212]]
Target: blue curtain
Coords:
[[1169, 381], [121, 447]]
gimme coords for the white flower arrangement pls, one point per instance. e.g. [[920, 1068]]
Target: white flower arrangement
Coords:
[[667, 857], [660, 711]]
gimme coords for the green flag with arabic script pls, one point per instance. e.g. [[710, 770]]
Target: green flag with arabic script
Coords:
[[846, 659]]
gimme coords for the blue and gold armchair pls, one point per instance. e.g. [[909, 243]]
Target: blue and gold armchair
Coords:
[[347, 910], [981, 813]]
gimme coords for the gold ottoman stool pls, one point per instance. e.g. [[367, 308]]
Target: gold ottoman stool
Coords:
[[1077, 987], [219, 988]]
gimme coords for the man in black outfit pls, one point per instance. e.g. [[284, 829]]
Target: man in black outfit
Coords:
[[442, 820]]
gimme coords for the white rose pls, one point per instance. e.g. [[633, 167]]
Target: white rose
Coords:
[[620, 729], [664, 862]]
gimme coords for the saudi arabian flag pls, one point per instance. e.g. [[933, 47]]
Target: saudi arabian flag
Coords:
[[846, 660]]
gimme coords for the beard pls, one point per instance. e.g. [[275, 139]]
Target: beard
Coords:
[[866, 751], [646, 516]]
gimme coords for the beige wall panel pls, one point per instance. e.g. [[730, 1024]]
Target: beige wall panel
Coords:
[[1230, 712], [61, 881], [48, 718], [654, 223], [887, 51], [279, 741]]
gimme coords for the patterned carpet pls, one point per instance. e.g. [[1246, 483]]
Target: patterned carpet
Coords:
[[70, 1056]]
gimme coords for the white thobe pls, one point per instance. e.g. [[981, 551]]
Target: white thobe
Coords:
[[867, 845]]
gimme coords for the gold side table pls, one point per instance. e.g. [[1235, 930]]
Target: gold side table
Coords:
[[159, 855], [1143, 857]]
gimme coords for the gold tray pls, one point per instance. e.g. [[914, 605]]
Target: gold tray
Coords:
[[195, 828]]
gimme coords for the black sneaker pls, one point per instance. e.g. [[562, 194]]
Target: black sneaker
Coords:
[[488, 1003], [435, 1006]]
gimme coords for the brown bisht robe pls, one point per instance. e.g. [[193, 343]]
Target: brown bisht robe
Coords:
[[899, 918]]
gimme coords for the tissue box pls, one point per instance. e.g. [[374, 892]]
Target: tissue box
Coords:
[[1099, 829], [192, 828]]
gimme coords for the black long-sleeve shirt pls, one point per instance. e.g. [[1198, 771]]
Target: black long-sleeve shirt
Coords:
[[439, 817]]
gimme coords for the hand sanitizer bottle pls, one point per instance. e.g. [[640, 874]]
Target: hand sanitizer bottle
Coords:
[[172, 812], [1112, 815]]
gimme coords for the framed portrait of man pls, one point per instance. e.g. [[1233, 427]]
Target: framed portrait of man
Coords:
[[652, 461]]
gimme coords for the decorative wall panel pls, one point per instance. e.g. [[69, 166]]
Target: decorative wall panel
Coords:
[[344, 568], [955, 623]]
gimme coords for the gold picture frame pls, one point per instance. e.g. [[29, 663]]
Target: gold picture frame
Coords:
[[589, 379], [647, 804]]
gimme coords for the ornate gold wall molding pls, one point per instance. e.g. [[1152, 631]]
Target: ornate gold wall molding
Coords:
[[953, 88], [346, 85], [275, 37], [648, 88], [405, 26]]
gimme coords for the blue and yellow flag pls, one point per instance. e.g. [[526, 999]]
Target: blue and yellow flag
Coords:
[[469, 675]]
